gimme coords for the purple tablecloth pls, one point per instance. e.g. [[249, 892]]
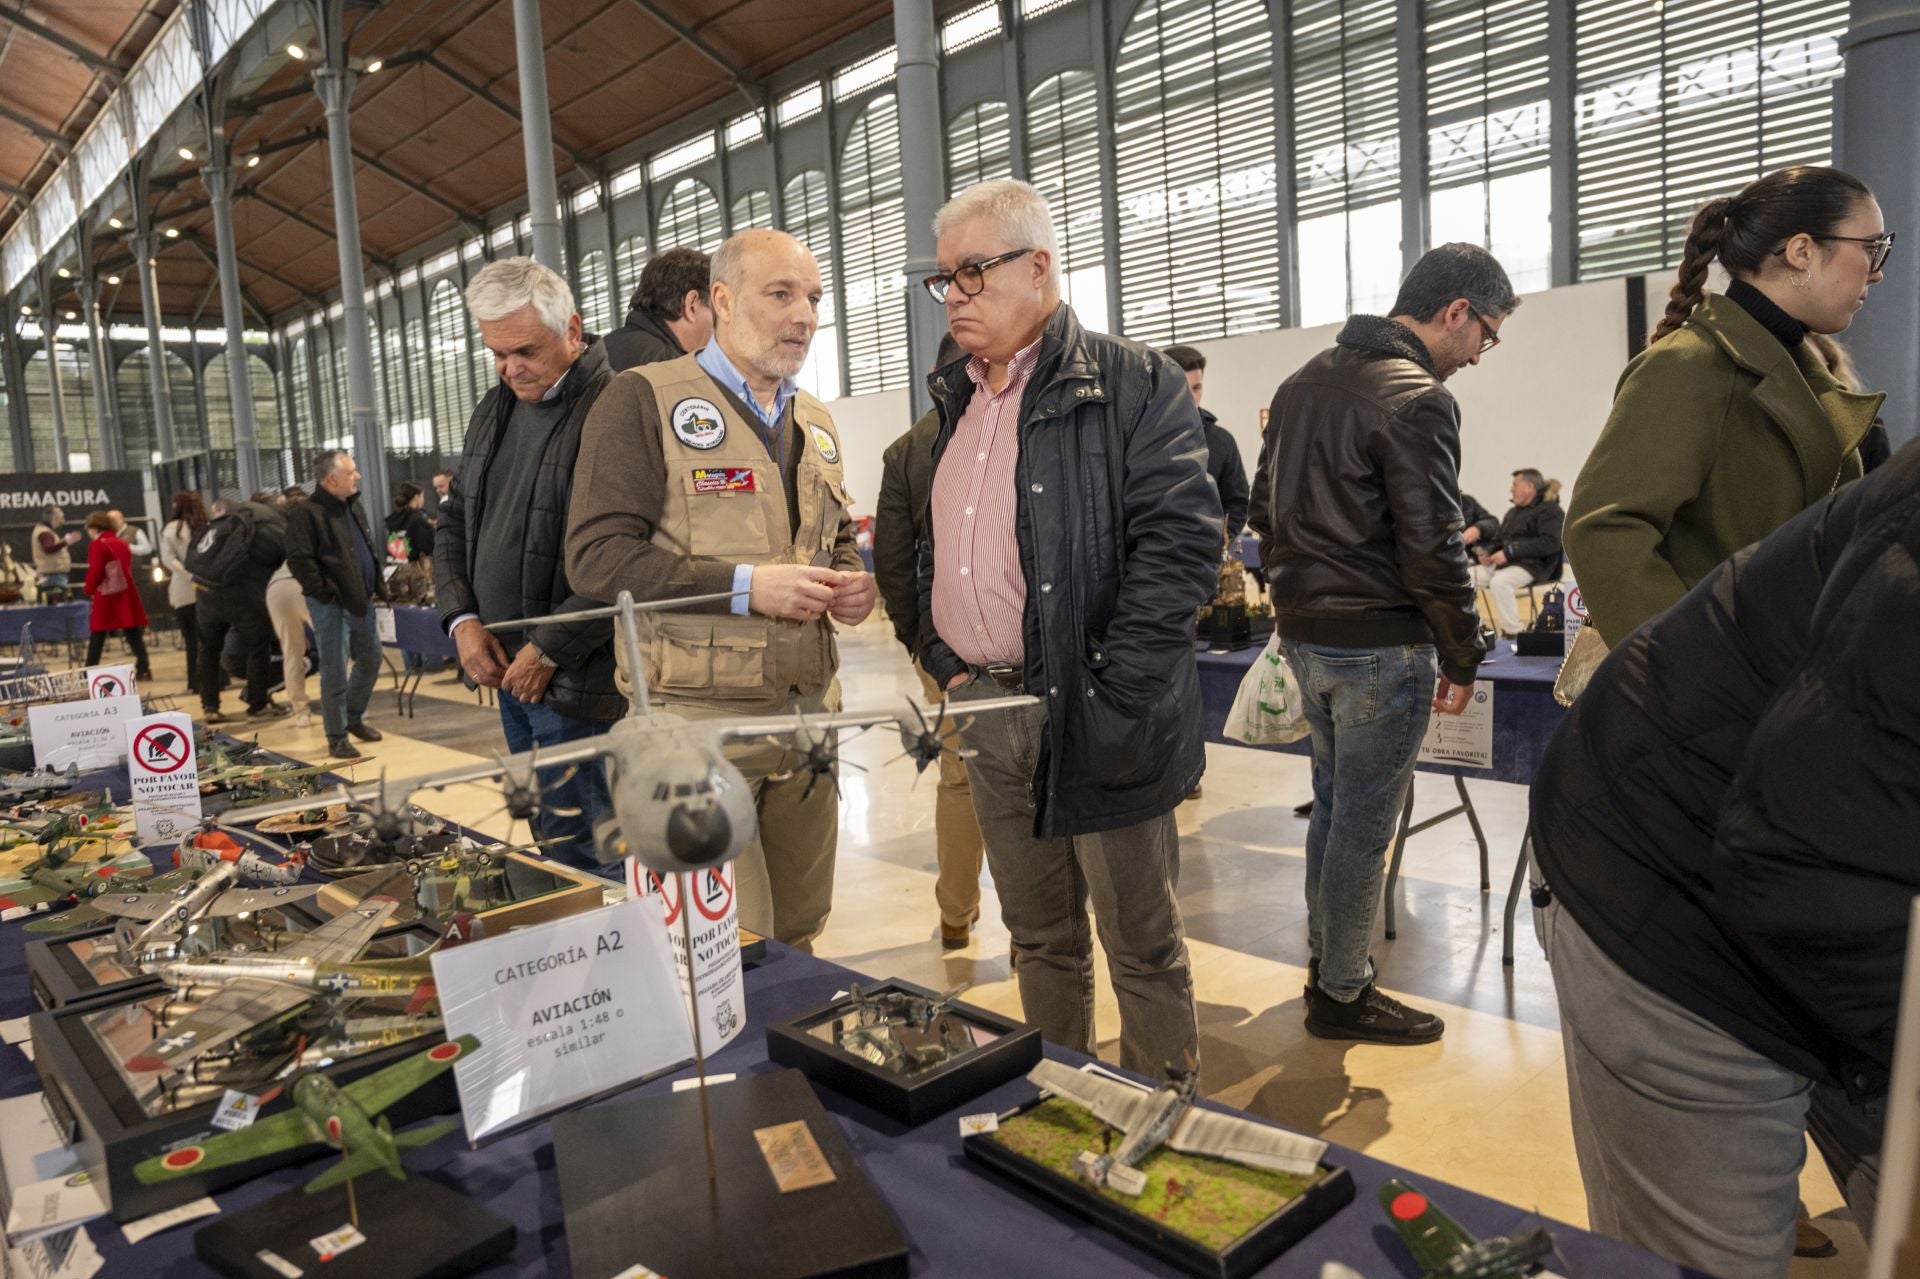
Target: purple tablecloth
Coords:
[[959, 1221]]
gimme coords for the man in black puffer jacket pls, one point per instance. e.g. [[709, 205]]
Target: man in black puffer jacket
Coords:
[[333, 555], [1725, 823], [1357, 503], [1072, 536], [499, 552]]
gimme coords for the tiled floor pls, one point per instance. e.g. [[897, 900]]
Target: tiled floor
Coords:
[[1486, 1107]]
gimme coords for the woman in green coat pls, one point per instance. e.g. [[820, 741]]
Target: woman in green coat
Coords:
[[1729, 423]]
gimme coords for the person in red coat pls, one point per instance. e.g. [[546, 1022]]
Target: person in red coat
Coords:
[[116, 604]]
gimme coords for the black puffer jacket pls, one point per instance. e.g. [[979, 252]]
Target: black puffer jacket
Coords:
[[1729, 809], [1359, 487], [1119, 533], [583, 686], [643, 339], [322, 556], [900, 523], [1530, 535]]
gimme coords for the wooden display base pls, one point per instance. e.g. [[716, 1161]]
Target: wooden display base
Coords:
[[634, 1187], [414, 1229]]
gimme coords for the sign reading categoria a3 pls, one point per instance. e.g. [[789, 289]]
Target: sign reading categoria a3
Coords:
[[87, 732], [165, 776], [563, 1011]]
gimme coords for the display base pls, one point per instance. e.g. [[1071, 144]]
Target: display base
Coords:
[[634, 1187], [414, 1229]]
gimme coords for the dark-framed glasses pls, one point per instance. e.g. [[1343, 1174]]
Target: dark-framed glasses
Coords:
[[969, 278], [1488, 338], [1879, 247]]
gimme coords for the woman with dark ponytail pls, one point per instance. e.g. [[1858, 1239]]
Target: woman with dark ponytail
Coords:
[[1730, 423]]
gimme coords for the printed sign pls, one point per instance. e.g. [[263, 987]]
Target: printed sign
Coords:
[[384, 623], [723, 479], [237, 1111], [86, 732], [1465, 739], [165, 776], [563, 1011], [110, 681], [715, 960]]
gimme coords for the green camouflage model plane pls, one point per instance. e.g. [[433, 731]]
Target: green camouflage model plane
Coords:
[[324, 1113], [1443, 1249], [86, 915]]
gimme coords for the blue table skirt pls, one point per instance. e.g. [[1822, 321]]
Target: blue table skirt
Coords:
[[52, 623], [417, 629]]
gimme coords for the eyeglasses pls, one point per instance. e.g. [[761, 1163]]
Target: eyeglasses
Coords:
[[1879, 247], [970, 278], [1488, 338]]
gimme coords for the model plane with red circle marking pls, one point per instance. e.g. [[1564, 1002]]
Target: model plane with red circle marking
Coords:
[[1444, 1249], [347, 1118]]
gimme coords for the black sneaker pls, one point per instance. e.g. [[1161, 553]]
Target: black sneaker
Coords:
[[272, 710], [1375, 1017], [341, 748], [212, 717], [365, 731]]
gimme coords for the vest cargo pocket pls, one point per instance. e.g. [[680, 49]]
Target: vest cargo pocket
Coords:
[[682, 654], [836, 505], [739, 656]]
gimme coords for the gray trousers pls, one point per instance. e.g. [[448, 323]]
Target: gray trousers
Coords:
[[1690, 1143], [1046, 885]]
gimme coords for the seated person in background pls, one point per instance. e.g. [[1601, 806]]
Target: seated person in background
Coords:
[[1480, 526], [1525, 548]]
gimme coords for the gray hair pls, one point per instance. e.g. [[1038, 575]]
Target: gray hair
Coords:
[[1016, 208], [325, 463], [1450, 272], [508, 284]]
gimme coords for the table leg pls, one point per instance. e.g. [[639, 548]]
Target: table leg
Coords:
[[1473, 819], [1513, 895]]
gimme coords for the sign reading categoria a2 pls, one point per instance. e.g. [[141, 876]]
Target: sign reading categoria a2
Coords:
[[165, 775], [563, 1011]]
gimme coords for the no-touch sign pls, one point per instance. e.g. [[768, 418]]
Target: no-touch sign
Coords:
[[713, 961], [165, 776], [715, 895], [110, 681]]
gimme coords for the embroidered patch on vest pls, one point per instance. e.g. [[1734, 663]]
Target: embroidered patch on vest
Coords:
[[724, 480], [698, 423], [823, 440]]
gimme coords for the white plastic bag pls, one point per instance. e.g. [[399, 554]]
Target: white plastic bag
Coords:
[[1266, 711]]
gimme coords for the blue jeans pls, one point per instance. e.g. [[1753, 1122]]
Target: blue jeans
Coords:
[[1368, 709], [339, 635], [527, 723]]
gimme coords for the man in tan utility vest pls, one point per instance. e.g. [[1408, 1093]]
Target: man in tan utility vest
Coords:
[[715, 473], [50, 546]]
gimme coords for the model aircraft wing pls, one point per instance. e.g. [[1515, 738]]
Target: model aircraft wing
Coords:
[[236, 1008], [365, 793], [266, 1136], [1115, 1104], [32, 895], [374, 1093], [777, 725], [1431, 1236], [67, 921], [244, 901], [342, 937], [1245, 1141], [145, 907]]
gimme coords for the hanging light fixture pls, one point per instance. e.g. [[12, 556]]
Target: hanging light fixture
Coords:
[[113, 279]]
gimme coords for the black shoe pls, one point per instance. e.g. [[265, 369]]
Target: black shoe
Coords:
[[271, 710], [365, 731], [1376, 1017], [1303, 810], [212, 717], [341, 748]]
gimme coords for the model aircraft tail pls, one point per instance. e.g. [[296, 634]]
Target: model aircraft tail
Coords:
[[426, 1135], [358, 1164]]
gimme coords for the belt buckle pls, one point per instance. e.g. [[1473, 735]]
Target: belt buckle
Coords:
[[1005, 674]]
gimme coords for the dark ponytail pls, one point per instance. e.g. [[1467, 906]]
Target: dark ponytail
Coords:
[[1744, 231]]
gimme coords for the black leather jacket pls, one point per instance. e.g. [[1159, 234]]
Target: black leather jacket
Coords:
[[1357, 501], [1120, 536], [322, 556], [1530, 535], [583, 686]]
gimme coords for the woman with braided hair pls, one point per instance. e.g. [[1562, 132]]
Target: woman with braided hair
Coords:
[[1729, 423]]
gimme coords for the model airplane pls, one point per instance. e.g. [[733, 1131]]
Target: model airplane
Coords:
[[69, 871], [212, 896], [53, 822], [679, 803], [1168, 1116], [213, 848], [325, 1113], [86, 914], [38, 783], [1443, 1249], [904, 1032]]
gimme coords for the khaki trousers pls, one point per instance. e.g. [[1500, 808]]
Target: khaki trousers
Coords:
[[956, 830], [784, 880], [287, 606]]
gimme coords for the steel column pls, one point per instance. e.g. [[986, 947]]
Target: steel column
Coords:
[[923, 178], [536, 134], [218, 177]]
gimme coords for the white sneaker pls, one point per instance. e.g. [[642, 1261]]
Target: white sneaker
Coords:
[[302, 719]]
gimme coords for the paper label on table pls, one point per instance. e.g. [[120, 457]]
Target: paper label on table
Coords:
[[793, 1156], [64, 1254], [384, 623], [335, 1242], [54, 1204], [638, 1271], [975, 1125], [237, 1111], [87, 733], [562, 1011], [715, 961], [1465, 739], [26, 1046], [14, 1031], [110, 681], [193, 1210], [278, 1264], [688, 1085], [165, 776]]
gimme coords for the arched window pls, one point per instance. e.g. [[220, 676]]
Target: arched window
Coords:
[[392, 385], [1193, 150], [873, 244], [754, 209], [808, 213], [447, 339], [596, 294], [134, 379], [266, 405], [420, 428], [306, 430], [691, 217], [979, 146], [631, 257], [76, 398], [1063, 160]]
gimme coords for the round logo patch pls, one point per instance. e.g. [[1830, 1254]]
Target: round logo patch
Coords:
[[823, 440], [698, 424]]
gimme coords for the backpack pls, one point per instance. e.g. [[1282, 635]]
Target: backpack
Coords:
[[238, 546]]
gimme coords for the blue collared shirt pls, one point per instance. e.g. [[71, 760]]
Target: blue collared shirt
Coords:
[[720, 369]]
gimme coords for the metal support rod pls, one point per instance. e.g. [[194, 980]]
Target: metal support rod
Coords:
[[1109, 161], [164, 440], [536, 133], [50, 343], [246, 436], [923, 178], [693, 1008], [14, 363], [1284, 184], [1564, 257], [1013, 86], [1413, 135], [113, 454]]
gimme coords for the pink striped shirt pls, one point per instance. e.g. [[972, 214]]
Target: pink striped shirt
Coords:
[[979, 596]]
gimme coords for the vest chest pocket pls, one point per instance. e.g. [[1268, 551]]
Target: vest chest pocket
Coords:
[[739, 655], [727, 521], [682, 654]]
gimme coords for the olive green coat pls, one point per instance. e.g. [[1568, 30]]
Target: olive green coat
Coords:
[[1718, 436]]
